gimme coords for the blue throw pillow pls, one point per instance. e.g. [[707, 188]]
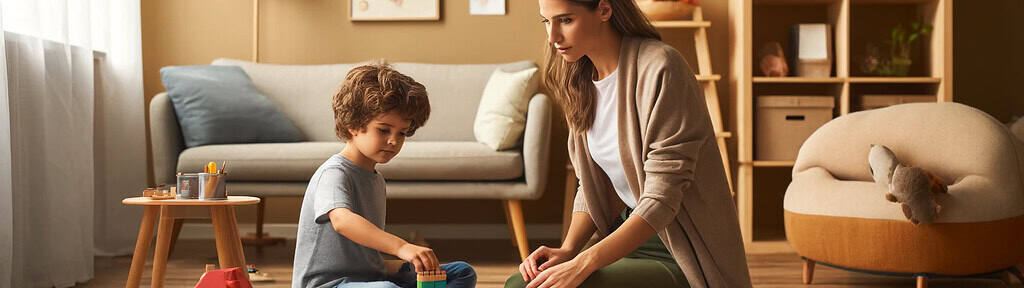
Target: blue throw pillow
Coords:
[[220, 105]]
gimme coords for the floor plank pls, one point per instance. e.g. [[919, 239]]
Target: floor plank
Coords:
[[494, 261]]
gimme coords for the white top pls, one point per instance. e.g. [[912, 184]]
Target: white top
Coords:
[[603, 137]]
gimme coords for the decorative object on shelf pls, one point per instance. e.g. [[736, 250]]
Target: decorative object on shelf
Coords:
[[666, 10], [486, 7], [812, 44], [901, 42], [395, 10], [773, 60], [869, 62]]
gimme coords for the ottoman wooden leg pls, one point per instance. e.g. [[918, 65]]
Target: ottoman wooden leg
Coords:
[[922, 282], [808, 270]]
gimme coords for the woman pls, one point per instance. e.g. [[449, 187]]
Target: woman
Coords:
[[651, 182]]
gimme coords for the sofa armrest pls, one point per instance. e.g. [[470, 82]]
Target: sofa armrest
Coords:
[[537, 145], [166, 138]]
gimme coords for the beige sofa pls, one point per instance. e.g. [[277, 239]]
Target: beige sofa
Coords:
[[836, 214], [442, 161]]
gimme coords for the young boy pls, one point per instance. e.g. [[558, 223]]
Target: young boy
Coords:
[[342, 219]]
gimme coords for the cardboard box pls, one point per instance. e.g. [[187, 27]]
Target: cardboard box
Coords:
[[878, 101], [785, 122]]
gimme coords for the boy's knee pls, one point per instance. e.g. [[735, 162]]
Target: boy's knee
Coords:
[[515, 281], [460, 269]]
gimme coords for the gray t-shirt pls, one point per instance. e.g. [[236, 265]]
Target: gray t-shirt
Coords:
[[323, 257]]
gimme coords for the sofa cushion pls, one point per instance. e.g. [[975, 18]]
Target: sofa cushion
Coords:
[[501, 117], [303, 92], [422, 160], [220, 105]]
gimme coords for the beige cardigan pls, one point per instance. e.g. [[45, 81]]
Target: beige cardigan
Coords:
[[672, 165]]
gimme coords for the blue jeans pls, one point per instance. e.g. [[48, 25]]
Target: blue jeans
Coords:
[[460, 275]]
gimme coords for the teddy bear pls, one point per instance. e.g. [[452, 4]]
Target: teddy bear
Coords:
[[912, 187]]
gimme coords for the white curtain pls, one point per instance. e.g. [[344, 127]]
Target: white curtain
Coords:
[[71, 121]]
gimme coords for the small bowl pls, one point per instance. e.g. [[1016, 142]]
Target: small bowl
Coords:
[[665, 10]]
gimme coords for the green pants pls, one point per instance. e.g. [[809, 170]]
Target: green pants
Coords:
[[650, 265]]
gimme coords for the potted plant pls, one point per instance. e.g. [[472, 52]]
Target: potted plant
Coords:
[[901, 42], [664, 10]]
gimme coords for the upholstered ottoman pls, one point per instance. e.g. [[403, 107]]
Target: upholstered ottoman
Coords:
[[835, 214]]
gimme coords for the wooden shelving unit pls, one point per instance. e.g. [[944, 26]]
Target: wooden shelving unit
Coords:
[[854, 24], [773, 163], [934, 80], [797, 80]]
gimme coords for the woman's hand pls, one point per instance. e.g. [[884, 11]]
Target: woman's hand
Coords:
[[568, 274], [421, 257], [542, 259]]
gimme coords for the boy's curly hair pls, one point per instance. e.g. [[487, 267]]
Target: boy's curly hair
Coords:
[[375, 89]]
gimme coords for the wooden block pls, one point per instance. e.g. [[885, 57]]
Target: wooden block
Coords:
[[432, 279]]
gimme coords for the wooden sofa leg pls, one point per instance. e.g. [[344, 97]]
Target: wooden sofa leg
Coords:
[[508, 221], [808, 270], [922, 282], [260, 239], [515, 218]]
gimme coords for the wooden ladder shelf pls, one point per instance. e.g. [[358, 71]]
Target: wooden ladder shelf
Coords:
[[707, 79]]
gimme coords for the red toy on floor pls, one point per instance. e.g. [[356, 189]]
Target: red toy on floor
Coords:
[[224, 278]]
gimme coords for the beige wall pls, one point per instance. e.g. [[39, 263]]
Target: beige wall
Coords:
[[193, 32]]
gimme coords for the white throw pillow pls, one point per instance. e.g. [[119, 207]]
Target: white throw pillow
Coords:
[[501, 116]]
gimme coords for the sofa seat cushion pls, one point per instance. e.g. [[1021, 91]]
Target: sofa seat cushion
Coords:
[[418, 160], [816, 192]]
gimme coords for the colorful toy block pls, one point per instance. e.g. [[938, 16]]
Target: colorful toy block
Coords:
[[432, 279]]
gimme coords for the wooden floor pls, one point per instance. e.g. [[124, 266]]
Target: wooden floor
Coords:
[[494, 261]]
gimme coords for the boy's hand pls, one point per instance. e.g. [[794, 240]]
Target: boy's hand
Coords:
[[421, 257]]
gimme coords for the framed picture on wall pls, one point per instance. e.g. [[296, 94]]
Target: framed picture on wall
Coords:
[[486, 7], [395, 10]]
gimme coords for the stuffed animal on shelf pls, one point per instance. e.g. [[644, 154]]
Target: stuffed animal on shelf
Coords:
[[773, 60], [912, 187]]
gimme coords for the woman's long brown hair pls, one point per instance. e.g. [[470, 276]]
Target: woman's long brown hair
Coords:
[[572, 82]]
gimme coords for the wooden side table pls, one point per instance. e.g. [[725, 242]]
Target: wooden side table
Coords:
[[222, 212]]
